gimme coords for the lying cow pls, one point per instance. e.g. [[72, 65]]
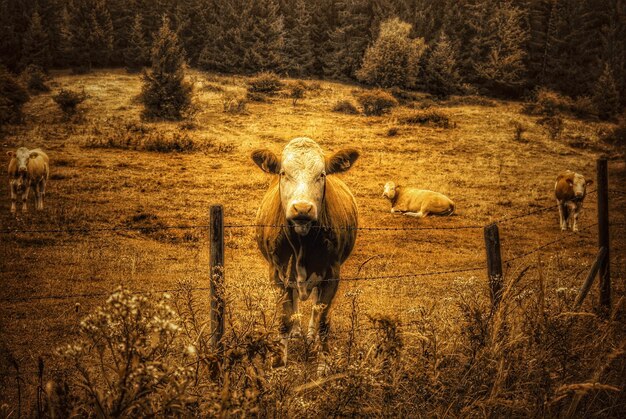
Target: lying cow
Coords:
[[417, 202], [570, 190], [28, 169], [319, 218]]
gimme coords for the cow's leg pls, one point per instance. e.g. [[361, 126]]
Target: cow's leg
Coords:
[[25, 198], [393, 210], [286, 325], [562, 220], [570, 210], [13, 196], [314, 321], [326, 293], [575, 213], [414, 214], [296, 327], [37, 189], [43, 193]]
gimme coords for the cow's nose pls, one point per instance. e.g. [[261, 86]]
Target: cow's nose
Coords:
[[579, 194], [301, 208], [22, 170]]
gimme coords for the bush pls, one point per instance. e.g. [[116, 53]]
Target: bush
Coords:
[[393, 59], [266, 83], [128, 139], [12, 97], [257, 97], [518, 131], [345, 106], [548, 103], [553, 124], [297, 92], [431, 117], [403, 96], [606, 94], [234, 103], [617, 136], [35, 79], [376, 102], [68, 101], [128, 361]]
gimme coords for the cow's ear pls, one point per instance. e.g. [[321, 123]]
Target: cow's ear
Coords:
[[589, 182], [266, 160], [11, 153], [341, 161], [33, 154]]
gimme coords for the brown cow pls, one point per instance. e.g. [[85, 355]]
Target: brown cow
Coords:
[[318, 215], [28, 169], [417, 202], [570, 190]]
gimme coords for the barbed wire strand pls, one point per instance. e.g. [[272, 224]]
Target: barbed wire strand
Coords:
[[89, 295]]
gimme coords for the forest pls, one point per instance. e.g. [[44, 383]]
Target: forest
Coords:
[[497, 47]]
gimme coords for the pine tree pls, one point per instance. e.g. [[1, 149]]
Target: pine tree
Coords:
[[36, 47], [223, 47], [393, 59], [298, 45], [262, 36], [440, 71], [500, 64], [349, 40], [191, 27], [324, 19], [12, 97], [606, 95], [100, 38], [136, 54], [165, 93]]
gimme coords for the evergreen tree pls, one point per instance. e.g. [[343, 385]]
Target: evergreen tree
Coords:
[[36, 47], [441, 76], [12, 97], [324, 19], [191, 27], [165, 93], [223, 48], [348, 40], [100, 38], [606, 95], [262, 36], [136, 54], [299, 59], [501, 40], [393, 59], [9, 36]]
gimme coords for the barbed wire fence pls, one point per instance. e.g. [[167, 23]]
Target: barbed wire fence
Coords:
[[493, 266]]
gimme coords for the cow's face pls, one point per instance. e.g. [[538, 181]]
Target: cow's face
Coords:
[[21, 158], [390, 190], [579, 185], [302, 170]]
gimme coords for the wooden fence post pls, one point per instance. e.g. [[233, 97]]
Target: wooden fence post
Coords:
[[600, 258], [217, 274], [603, 231], [494, 263]]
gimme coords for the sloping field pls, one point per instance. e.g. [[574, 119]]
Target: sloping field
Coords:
[[100, 182]]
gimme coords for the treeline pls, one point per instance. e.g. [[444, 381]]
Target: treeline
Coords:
[[496, 46]]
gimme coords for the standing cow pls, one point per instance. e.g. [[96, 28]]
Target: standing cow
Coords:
[[28, 169], [570, 190], [318, 215]]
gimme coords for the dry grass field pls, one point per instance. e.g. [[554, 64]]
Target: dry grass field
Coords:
[[444, 361]]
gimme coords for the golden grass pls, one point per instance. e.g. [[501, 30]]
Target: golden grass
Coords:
[[477, 163]]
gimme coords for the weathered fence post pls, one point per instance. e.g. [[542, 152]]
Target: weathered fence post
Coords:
[[600, 258], [494, 263], [603, 231], [217, 274]]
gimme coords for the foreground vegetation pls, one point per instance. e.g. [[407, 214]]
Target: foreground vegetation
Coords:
[[398, 346]]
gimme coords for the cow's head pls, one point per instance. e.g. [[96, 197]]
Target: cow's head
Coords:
[[302, 170], [21, 159], [579, 185], [390, 190]]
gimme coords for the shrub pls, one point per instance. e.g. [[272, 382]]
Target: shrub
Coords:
[[431, 117], [68, 101], [165, 94], [35, 79], [606, 94], [548, 103], [167, 144], [128, 361], [257, 97], [441, 76], [267, 83], [403, 96], [376, 102], [617, 136], [297, 92], [345, 106], [12, 97], [553, 125], [393, 131], [393, 58], [234, 103], [518, 131]]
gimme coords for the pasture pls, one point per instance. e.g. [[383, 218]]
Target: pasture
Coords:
[[104, 176]]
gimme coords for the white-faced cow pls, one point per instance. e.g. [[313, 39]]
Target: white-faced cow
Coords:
[[28, 169], [570, 190], [318, 218], [417, 202]]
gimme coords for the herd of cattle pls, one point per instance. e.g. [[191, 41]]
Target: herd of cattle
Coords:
[[318, 215]]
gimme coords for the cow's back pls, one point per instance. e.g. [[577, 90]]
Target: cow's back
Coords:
[[38, 168], [563, 190]]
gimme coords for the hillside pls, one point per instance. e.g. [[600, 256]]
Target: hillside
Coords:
[[99, 181]]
